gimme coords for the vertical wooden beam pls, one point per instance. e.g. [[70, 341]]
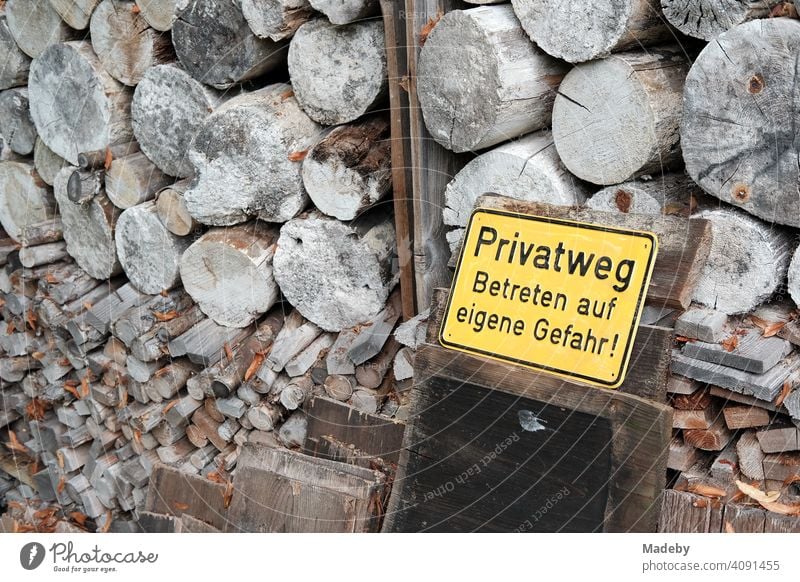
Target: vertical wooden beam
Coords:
[[433, 166], [397, 61]]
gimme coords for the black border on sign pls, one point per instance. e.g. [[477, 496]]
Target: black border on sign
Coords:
[[622, 372]]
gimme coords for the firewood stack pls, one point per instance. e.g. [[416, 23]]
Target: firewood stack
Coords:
[[191, 252], [560, 104]]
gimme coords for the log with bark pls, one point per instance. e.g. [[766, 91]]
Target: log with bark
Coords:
[[348, 171], [228, 272], [739, 108], [505, 89], [276, 19], [666, 193], [337, 275], [76, 105], [707, 19], [16, 64], [618, 118], [271, 127], [124, 42], [338, 72], [577, 33], [204, 34]]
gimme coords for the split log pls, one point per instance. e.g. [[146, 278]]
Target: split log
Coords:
[[149, 254], [88, 229], [75, 13], [204, 35], [76, 105], [338, 72], [35, 26], [168, 381], [267, 181], [747, 262], [276, 19], [206, 342], [525, 169], [16, 63], [293, 432], [47, 162], [26, 200], [578, 33], [618, 118], [161, 14], [337, 275], [296, 392], [707, 19], [349, 170], [346, 11], [172, 210], [33, 256], [295, 335], [309, 357], [667, 194], [154, 344], [168, 110], [403, 365], [504, 90], [16, 124], [228, 272], [739, 108], [124, 42], [132, 180]]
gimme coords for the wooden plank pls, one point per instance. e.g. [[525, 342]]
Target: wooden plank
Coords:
[[743, 519], [397, 63], [737, 417], [777, 439], [433, 166], [714, 438], [173, 492], [730, 396], [753, 352], [775, 523], [648, 371], [496, 443], [683, 244], [684, 512], [681, 456], [701, 323], [374, 435]]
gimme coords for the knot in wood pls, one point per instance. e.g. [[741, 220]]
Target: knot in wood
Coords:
[[741, 192], [756, 84]]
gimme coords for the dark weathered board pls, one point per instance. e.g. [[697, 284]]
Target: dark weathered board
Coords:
[[173, 492], [397, 64], [649, 369], [432, 165], [374, 435], [683, 244], [607, 448]]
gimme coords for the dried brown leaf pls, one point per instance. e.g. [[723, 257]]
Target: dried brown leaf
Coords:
[[705, 490], [228, 351], [169, 407], [108, 159], [623, 200], [254, 366], [227, 495], [298, 156], [787, 387], [731, 343], [429, 26], [107, 525], [167, 316], [180, 506]]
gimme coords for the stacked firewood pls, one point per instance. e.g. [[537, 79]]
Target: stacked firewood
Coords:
[[193, 248]]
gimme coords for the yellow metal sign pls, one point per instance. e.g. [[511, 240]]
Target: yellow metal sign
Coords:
[[555, 295]]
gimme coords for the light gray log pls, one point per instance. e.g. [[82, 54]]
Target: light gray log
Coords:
[[141, 371], [663, 194], [168, 381], [108, 309], [349, 170], [180, 413], [88, 229], [139, 319], [132, 180], [43, 254], [295, 335], [377, 331], [315, 352], [228, 272], [412, 333], [168, 110], [172, 210], [403, 364], [205, 342], [47, 163], [161, 14], [337, 275], [167, 435], [16, 124], [707, 19], [296, 392], [346, 11], [26, 200], [526, 169], [267, 180], [578, 33], [175, 453], [35, 25], [149, 253], [503, 90], [83, 185], [44, 232], [618, 118], [338, 72], [738, 114], [99, 159], [793, 285], [705, 325], [753, 352], [371, 374], [276, 19], [293, 432], [76, 13], [366, 401], [153, 344], [204, 35], [747, 262], [339, 386], [777, 439], [265, 416], [763, 386], [15, 64], [124, 42], [76, 105], [681, 456]]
